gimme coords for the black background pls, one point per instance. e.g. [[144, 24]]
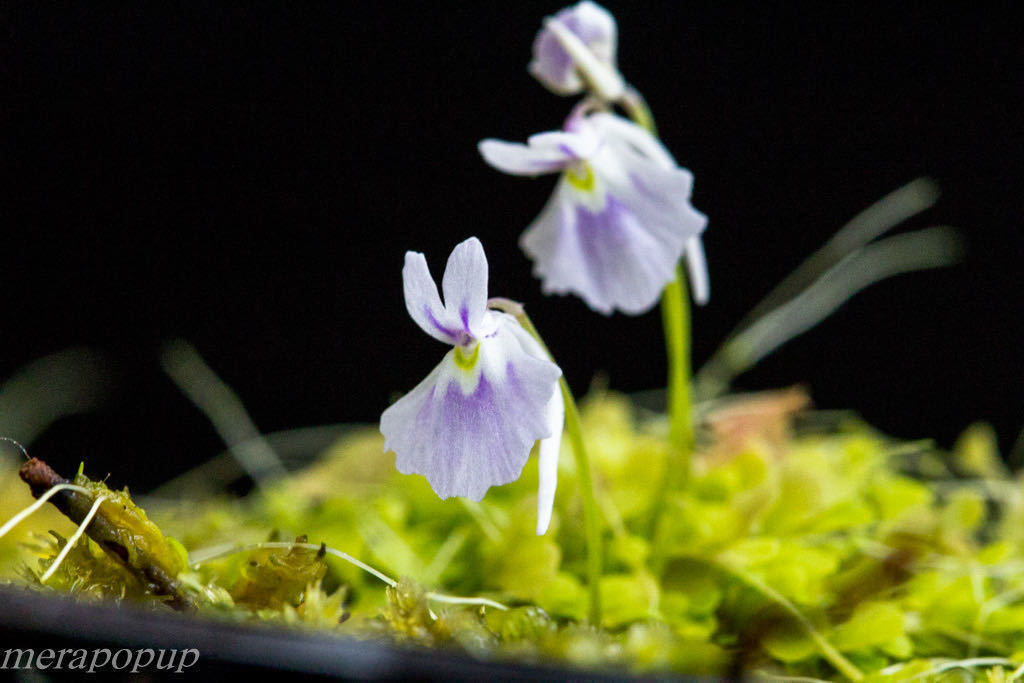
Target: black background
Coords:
[[248, 177]]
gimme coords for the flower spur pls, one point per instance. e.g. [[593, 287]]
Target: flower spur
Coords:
[[620, 217], [473, 421]]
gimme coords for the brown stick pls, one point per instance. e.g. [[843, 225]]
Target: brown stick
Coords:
[[159, 580]]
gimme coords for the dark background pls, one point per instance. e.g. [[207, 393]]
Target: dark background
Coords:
[[248, 177]]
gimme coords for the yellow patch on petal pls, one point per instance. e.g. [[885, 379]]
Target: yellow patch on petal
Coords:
[[467, 362], [581, 177]]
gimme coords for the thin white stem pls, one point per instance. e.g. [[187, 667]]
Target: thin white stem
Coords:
[[17, 444], [767, 675], [963, 664], [18, 518], [454, 600], [73, 540], [203, 556]]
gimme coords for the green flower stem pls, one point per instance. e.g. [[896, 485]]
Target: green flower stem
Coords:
[[634, 104], [591, 514], [675, 316]]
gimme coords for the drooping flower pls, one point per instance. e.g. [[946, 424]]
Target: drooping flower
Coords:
[[576, 50], [472, 422], [620, 218]]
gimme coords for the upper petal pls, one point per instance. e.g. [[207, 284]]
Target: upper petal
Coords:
[[577, 144], [422, 301], [519, 159], [619, 130], [465, 286]]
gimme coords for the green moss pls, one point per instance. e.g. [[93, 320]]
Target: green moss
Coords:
[[794, 557]]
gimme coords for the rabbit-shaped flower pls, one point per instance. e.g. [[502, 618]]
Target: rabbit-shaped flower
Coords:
[[472, 422], [576, 50], [620, 218]]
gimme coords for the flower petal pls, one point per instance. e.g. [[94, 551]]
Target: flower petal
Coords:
[[601, 76], [552, 64], [697, 268], [465, 286], [579, 144], [466, 430], [617, 129], [618, 257], [422, 301], [548, 449], [547, 463], [519, 159]]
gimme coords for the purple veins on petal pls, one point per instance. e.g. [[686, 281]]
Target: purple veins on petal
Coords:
[[465, 442], [438, 325], [612, 257], [465, 284], [422, 300], [620, 219], [473, 421]]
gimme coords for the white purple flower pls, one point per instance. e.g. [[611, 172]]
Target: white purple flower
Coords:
[[472, 422], [620, 218], [576, 50]]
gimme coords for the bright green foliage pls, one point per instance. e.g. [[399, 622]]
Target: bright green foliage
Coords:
[[825, 553]]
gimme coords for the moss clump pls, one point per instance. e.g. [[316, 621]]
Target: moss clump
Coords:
[[796, 549]]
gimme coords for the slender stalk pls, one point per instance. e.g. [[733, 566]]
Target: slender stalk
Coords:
[[634, 104], [591, 513], [675, 316]]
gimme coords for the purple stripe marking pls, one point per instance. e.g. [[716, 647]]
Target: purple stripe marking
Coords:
[[567, 150], [436, 323], [548, 165]]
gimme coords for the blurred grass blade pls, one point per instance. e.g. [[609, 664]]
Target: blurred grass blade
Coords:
[[64, 383], [872, 222], [924, 249], [221, 405]]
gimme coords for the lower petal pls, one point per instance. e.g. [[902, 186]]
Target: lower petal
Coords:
[[466, 436], [617, 257], [697, 268], [547, 463]]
